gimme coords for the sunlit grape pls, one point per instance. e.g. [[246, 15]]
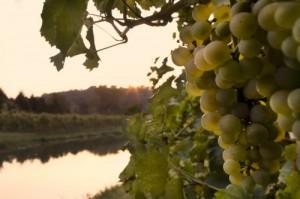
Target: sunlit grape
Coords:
[[210, 121], [243, 25], [290, 152], [286, 14], [236, 179], [259, 5], [185, 35], [235, 152], [285, 122], [222, 144], [216, 53], [230, 123], [222, 13], [278, 102], [181, 56], [202, 12], [208, 100], [192, 89], [231, 167], [294, 100], [201, 63], [289, 47], [222, 83], [201, 30], [266, 17]]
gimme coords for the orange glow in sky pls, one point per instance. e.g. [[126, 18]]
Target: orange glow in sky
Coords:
[[24, 54]]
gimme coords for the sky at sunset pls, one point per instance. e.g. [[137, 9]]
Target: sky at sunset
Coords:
[[24, 55]]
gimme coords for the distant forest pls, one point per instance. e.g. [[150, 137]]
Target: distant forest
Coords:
[[94, 100]]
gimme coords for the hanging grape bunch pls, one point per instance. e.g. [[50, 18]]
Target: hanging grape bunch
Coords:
[[243, 60]]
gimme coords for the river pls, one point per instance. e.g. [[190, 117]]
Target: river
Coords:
[[71, 176]]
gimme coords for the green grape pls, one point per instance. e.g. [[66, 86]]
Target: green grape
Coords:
[[266, 85], [296, 129], [206, 81], [293, 63], [222, 13], [290, 152], [267, 69], [243, 25], [208, 100], [240, 7], [250, 91], [226, 97], [202, 12], [185, 35], [231, 167], [262, 177], [230, 123], [286, 14], [210, 121], [236, 179], [198, 48], [272, 166], [287, 78], [181, 56], [278, 102], [289, 47], [230, 71], [201, 30], [222, 144], [266, 17], [192, 89], [222, 29], [235, 152], [274, 130], [284, 122], [251, 67], [201, 63], [254, 155], [275, 38], [240, 110], [293, 100], [260, 114], [229, 137], [257, 133], [192, 71], [248, 184], [296, 30], [216, 53], [270, 151], [249, 48], [242, 140], [259, 5], [222, 83]]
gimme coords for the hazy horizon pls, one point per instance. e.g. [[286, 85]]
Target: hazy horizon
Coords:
[[25, 64]]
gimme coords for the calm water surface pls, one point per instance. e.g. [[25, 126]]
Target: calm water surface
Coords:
[[68, 177]]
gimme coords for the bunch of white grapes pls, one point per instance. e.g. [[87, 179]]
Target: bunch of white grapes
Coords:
[[244, 63]]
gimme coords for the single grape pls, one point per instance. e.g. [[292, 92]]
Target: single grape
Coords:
[[249, 48], [222, 144], [222, 83], [289, 47], [230, 71], [229, 137], [222, 13], [202, 12], [201, 63], [266, 85], [185, 35], [236, 179], [181, 56], [284, 122], [248, 184], [206, 80], [293, 100], [240, 7], [210, 121], [222, 29], [208, 100], [266, 17], [290, 152], [286, 14], [278, 102], [296, 30], [296, 129], [250, 91], [226, 97], [259, 5], [275, 38], [260, 114], [201, 30], [235, 152], [231, 167], [262, 177], [230, 123], [192, 89], [192, 71], [243, 25], [257, 133], [216, 53]]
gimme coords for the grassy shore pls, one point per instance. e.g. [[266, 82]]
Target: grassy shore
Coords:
[[116, 192]]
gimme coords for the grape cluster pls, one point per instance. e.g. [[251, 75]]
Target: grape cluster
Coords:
[[244, 63]]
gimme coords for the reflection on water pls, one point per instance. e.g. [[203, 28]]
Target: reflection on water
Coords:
[[67, 177]]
